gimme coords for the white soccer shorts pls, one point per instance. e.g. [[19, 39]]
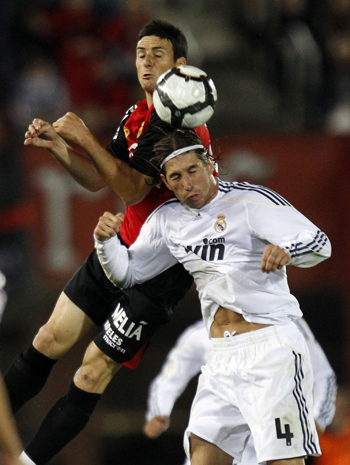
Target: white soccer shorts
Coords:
[[261, 382]]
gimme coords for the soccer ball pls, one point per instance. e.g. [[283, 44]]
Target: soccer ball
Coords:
[[185, 97]]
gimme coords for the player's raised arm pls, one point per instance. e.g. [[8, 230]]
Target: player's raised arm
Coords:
[[42, 134], [129, 184], [147, 257]]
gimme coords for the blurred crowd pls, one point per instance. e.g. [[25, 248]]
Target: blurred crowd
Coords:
[[79, 55], [70, 54], [303, 48]]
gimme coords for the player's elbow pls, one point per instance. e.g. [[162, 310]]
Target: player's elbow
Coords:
[[95, 185], [132, 199], [135, 195], [95, 188]]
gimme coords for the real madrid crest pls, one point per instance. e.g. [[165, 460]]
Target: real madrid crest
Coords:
[[220, 224]]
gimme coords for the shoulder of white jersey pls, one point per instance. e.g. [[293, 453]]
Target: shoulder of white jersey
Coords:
[[162, 208], [252, 192]]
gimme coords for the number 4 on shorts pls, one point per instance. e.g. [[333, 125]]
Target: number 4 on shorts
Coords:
[[287, 435]]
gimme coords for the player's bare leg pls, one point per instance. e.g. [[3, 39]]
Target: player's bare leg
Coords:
[[67, 324], [30, 370], [96, 371], [205, 453]]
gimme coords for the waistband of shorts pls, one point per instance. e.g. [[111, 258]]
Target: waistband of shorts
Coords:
[[253, 337]]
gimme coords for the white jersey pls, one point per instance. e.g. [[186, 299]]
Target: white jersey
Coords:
[[190, 353], [221, 245]]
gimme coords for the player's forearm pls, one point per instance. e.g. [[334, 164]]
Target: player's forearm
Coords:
[[79, 167], [147, 257], [171, 382], [324, 386], [162, 406], [325, 392], [130, 185], [161, 400], [308, 249], [163, 393], [286, 227], [114, 260], [126, 267]]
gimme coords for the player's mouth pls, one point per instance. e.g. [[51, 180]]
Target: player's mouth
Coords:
[[192, 198], [147, 76]]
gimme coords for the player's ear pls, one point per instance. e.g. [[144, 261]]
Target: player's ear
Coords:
[[163, 178], [211, 166], [181, 61]]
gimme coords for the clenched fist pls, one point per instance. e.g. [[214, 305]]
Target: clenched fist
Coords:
[[108, 226]]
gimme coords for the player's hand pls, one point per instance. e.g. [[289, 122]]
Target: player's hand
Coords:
[[41, 134], [108, 226], [72, 129], [274, 258], [156, 426]]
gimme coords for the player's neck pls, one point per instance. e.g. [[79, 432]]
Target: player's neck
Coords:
[[149, 99]]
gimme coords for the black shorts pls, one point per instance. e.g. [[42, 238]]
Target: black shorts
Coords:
[[129, 317]]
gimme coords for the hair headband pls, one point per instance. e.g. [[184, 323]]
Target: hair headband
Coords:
[[178, 152]]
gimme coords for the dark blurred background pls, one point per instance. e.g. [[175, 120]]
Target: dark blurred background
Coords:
[[282, 72]]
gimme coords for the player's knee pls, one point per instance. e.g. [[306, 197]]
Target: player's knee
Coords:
[[45, 341], [95, 373]]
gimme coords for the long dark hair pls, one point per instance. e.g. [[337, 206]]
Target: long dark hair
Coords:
[[178, 139]]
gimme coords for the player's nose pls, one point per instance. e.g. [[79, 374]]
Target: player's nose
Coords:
[[187, 184], [148, 60]]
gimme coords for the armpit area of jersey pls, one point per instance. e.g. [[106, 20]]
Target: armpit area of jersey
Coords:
[[141, 160], [120, 151]]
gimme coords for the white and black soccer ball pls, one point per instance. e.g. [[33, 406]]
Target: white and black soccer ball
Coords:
[[185, 97]]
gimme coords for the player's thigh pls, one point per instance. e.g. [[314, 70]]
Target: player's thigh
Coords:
[[96, 371], [66, 325], [205, 453]]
